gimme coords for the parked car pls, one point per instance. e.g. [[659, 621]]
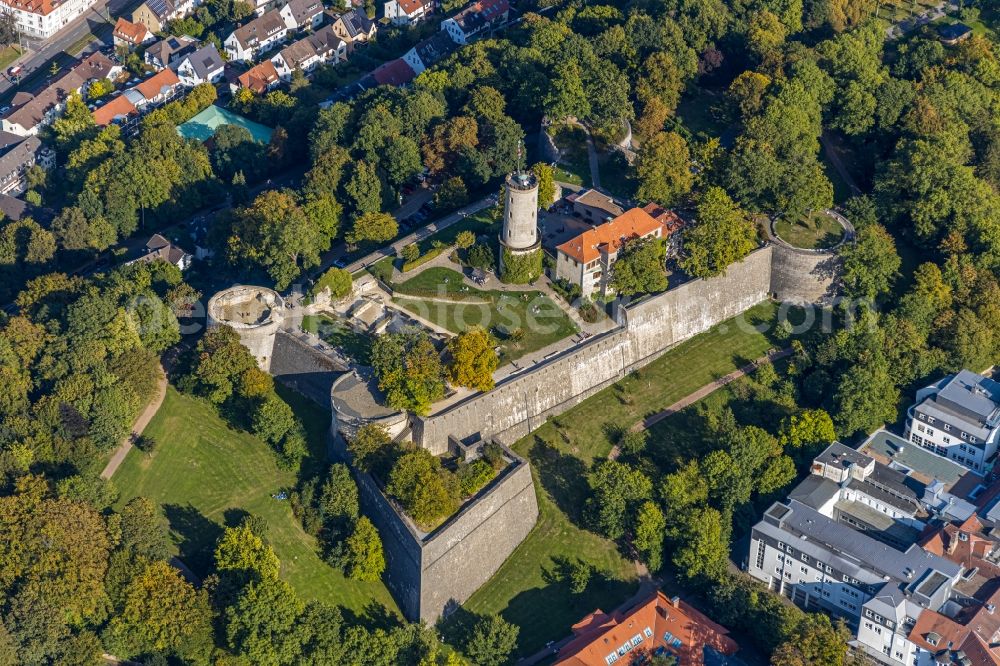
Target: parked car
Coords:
[[339, 263]]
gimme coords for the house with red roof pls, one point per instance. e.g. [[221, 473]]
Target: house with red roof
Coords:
[[408, 12], [586, 260], [130, 34], [655, 625]]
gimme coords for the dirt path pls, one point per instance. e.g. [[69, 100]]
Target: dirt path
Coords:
[[838, 164], [708, 389], [140, 424]]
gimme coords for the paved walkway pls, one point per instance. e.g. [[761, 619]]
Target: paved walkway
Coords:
[[140, 424], [704, 391]]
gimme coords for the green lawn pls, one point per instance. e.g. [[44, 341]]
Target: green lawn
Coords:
[[541, 321], [206, 475], [813, 231], [561, 453], [354, 344], [8, 55]]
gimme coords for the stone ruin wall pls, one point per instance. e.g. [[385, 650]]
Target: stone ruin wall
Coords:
[[521, 403]]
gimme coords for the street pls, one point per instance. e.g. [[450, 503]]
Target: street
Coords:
[[36, 63]]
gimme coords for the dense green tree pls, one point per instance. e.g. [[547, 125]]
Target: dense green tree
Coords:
[[618, 490], [367, 444], [364, 557], [263, 624], [375, 227], [566, 97], [244, 554], [722, 235], [427, 492], [815, 642], [409, 370], [640, 267], [143, 530], [491, 641], [473, 359], [364, 189], [702, 545], [870, 263], [163, 613], [650, 526], [663, 169]]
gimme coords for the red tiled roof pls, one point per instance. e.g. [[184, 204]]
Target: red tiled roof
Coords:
[[634, 223], [411, 6], [394, 73], [119, 106], [259, 77], [42, 7], [655, 622], [132, 33], [154, 85], [969, 630], [667, 218]]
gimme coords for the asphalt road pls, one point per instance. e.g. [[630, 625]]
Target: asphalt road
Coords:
[[36, 63]]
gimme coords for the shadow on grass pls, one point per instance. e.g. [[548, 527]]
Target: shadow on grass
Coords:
[[563, 476], [195, 536]]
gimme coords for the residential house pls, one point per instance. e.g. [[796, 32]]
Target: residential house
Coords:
[[120, 110], [393, 73], [655, 625], [33, 112], [256, 37], [407, 12], [954, 33], [155, 14], [593, 206], [259, 78], [41, 19], [958, 417], [159, 88], [203, 66], [586, 260], [159, 248], [306, 54], [130, 35], [354, 27], [429, 51], [169, 50], [475, 19], [17, 155], [302, 14]]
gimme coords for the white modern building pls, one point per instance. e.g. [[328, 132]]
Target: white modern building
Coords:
[[203, 66], [302, 14], [41, 19], [958, 418], [323, 46], [407, 12], [476, 18]]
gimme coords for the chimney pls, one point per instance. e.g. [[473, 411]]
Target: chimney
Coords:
[[675, 601]]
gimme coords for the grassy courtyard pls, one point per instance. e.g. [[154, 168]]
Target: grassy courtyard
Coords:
[[812, 231], [523, 322], [354, 344], [206, 475], [561, 453]]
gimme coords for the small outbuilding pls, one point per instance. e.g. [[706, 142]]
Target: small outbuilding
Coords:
[[953, 33]]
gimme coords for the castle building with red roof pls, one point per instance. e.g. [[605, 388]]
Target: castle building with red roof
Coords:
[[655, 625]]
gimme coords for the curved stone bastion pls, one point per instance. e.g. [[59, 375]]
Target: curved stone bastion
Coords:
[[255, 313], [801, 275], [356, 400]]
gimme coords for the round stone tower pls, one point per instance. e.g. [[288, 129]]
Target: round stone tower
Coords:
[[255, 313], [520, 247]]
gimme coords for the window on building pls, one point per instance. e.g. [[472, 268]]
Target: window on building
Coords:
[[647, 632], [964, 435], [947, 428], [930, 419]]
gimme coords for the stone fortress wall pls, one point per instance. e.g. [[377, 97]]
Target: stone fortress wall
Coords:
[[521, 403], [431, 574], [801, 275]]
